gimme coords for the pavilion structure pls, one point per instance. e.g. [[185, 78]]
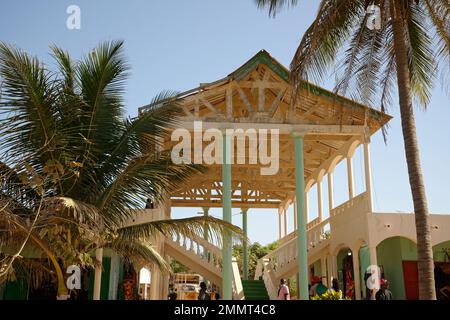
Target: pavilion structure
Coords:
[[314, 135]]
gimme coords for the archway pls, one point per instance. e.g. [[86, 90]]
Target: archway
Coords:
[[441, 256], [346, 276], [397, 258]]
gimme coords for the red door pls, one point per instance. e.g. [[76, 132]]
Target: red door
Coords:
[[411, 280]]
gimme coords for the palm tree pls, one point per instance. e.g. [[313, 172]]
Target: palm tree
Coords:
[[72, 167], [412, 43]]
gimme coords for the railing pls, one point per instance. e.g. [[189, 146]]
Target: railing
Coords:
[[202, 249], [293, 234], [286, 254], [269, 279], [359, 199], [211, 255], [238, 290]]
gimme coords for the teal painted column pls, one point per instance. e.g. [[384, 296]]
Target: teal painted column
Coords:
[[226, 206], [302, 254], [245, 244]]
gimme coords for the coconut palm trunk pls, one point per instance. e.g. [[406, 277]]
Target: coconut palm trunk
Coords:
[[424, 247]]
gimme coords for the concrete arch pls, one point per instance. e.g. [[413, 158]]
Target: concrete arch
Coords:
[[309, 184], [405, 236], [352, 148], [321, 174], [439, 254], [334, 163], [335, 251], [359, 243]]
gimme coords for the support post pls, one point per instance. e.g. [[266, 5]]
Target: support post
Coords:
[[302, 254], [98, 273], [280, 235], [330, 191], [323, 270], [285, 221], [114, 276], [245, 244], [206, 237], [306, 207], [356, 273], [351, 185], [319, 200], [329, 271], [334, 266], [368, 174], [295, 215], [226, 205]]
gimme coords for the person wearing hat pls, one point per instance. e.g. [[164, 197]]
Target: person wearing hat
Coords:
[[384, 293], [317, 288]]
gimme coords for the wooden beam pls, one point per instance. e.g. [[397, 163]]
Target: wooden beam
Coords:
[[283, 128]]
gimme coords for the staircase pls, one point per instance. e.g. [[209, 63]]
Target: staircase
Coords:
[[204, 258], [198, 255], [255, 290], [282, 262]]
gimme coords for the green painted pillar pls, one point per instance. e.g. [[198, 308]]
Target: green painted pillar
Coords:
[[245, 244], [302, 247], [226, 205]]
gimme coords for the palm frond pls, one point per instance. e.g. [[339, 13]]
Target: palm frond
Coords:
[[28, 123], [78, 212], [144, 134], [188, 227], [148, 176], [139, 252], [320, 43], [422, 66], [275, 5], [439, 13]]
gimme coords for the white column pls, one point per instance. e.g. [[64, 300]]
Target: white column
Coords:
[[114, 276], [98, 273], [329, 271], [155, 292], [323, 270], [356, 273], [330, 191], [319, 200], [368, 174], [334, 266], [285, 221], [279, 224], [306, 207], [295, 214], [351, 186]]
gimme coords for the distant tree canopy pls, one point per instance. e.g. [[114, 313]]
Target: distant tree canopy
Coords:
[[177, 267], [255, 252]]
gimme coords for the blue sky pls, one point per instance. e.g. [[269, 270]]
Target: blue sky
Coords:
[[175, 45]]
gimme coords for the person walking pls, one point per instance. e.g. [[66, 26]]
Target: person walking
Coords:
[[203, 294], [384, 293], [283, 291]]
